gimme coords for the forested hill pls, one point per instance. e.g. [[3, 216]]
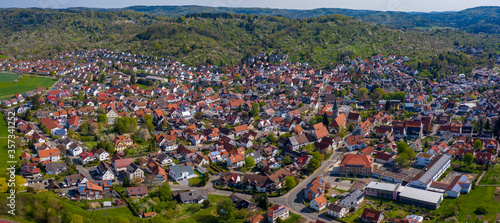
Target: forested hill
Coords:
[[475, 20], [222, 38]]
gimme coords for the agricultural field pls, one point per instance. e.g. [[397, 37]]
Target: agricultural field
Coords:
[[28, 83], [7, 77]]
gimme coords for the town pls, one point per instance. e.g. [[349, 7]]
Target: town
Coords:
[[270, 140]]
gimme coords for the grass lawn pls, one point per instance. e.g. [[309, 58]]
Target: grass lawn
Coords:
[[8, 78], [143, 86], [28, 83], [492, 176], [122, 212], [90, 144], [4, 130], [467, 204]]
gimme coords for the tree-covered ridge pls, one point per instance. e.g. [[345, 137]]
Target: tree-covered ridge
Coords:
[[222, 38], [475, 20]]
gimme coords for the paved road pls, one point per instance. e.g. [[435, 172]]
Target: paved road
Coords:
[[293, 199]]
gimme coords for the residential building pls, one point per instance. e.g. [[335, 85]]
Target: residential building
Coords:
[[337, 211], [179, 173], [277, 211], [319, 203], [372, 216], [140, 191]]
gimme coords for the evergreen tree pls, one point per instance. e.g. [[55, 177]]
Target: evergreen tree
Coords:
[[325, 120]]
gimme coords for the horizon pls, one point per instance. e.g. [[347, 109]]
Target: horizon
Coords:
[[409, 6]]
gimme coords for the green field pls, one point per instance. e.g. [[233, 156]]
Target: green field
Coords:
[[28, 83], [492, 176], [8, 78], [468, 203]]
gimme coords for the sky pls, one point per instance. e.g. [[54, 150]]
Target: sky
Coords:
[[382, 5]]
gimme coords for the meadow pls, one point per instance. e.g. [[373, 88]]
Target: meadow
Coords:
[[27, 83]]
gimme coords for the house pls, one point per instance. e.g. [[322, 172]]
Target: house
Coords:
[[298, 141], [93, 189], [133, 172], [240, 130], [179, 173], [149, 214], [195, 196], [423, 159], [229, 179], [122, 142], [101, 154], [52, 125], [460, 184], [255, 219], [354, 142], [277, 211], [319, 203], [140, 191], [29, 170], [156, 172], [105, 171], [353, 200], [55, 168], [414, 129], [236, 161], [383, 157], [52, 155], [337, 211], [314, 189], [372, 216], [319, 131], [86, 157], [164, 159], [121, 164], [241, 202], [73, 180], [255, 182], [363, 128], [356, 164], [112, 115], [257, 157], [354, 117]]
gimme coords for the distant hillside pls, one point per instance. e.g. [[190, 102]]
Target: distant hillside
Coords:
[[221, 38], [474, 20]]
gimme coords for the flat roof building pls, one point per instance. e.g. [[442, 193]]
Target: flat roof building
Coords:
[[421, 197], [432, 171]]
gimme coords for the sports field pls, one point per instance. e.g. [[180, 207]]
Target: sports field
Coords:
[[28, 83]]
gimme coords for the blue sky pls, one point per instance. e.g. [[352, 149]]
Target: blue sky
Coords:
[[383, 5]]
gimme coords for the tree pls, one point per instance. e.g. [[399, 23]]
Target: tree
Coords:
[[249, 162], [290, 182], [481, 210], [94, 128], [226, 210], [102, 78], [254, 111], [84, 127], [77, 219], [261, 200], [478, 145], [126, 182], [102, 118], [206, 204], [132, 79], [377, 94], [144, 134], [244, 169], [4, 186], [388, 105], [164, 193], [35, 102], [468, 158], [287, 160], [487, 125], [428, 90], [325, 120], [362, 92], [19, 180], [313, 164]]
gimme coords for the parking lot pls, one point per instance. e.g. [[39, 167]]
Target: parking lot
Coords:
[[344, 185]]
